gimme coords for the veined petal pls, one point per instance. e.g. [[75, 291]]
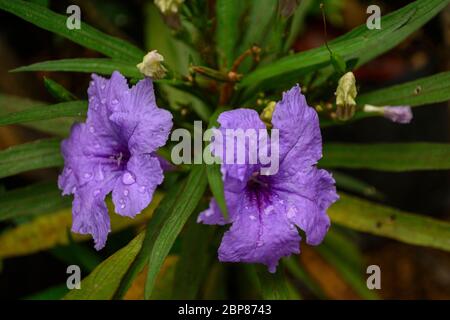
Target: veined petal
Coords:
[[300, 138], [134, 190], [259, 235], [232, 123], [306, 196]]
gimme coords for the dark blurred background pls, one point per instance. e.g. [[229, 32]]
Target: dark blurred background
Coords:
[[408, 272]]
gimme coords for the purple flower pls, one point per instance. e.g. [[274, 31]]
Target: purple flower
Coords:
[[399, 114], [264, 210], [113, 151]]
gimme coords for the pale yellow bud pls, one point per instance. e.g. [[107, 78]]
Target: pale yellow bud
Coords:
[[345, 96], [151, 66], [168, 6]]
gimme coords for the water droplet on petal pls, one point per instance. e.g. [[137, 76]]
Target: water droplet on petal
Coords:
[[68, 171], [268, 210], [97, 146], [96, 192], [252, 217], [87, 175], [122, 206], [115, 101], [74, 189], [128, 178], [103, 101], [103, 86], [91, 129], [125, 192], [142, 189], [260, 243], [291, 213]]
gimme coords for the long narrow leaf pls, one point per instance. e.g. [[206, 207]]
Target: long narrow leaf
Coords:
[[86, 36], [227, 33], [380, 220], [30, 156], [32, 200], [57, 126], [387, 156], [64, 109], [432, 89], [90, 65], [361, 43]]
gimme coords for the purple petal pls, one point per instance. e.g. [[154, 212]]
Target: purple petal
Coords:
[[134, 190], [299, 131], [212, 215], [237, 119], [399, 114], [259, 236]]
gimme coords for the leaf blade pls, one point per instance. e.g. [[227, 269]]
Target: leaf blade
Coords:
[[366, 216], [86, 36], [38, 154], [394, 157]]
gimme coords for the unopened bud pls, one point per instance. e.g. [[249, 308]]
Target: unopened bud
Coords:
[[345, 96], [151, 66]]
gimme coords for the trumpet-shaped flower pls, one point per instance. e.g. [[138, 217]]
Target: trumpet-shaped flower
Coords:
[[113, 151], [265, 210]]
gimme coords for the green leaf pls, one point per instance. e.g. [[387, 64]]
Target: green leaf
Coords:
[[427, 90], [227, 30], [58, 126], [86, 36], [164, 227], [30, 156], [298, 23], [194, 261], [63, 109], [261, 14], [101, 283], [361, 43], [164, 230], [32, 200], [366, 216], [387, 156], [273, 286], [355, 185], [58, 91], [90, 65]]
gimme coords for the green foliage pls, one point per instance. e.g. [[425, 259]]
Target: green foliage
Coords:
[[176, 257], [387, 156], [30, 156]]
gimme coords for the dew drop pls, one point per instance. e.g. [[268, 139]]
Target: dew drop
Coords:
[[128, 178], [91, 129], [74, 189], [122, 206], [96, 192], [115, 101], [291, 213], [268, 210], [125, 192], [103, 86], [252, 217], [142, 189], [87, 175], [260, 243]]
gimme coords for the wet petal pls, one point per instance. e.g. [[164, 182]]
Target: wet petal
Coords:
[[298, 125], [134, 190]]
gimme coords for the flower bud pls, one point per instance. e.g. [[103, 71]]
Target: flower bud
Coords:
[[151, 66], [345, 96], [168, 6], [266, 114]]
